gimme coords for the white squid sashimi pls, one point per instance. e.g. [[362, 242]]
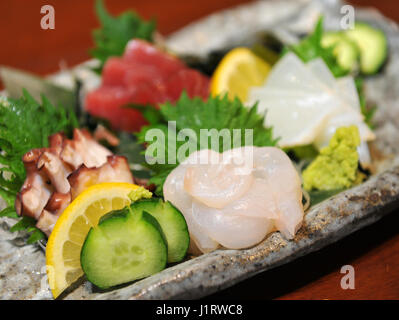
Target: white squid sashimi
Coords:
[[322, 72], [347, 98], [347, 111], [296, 118], [305, 104], [364, 155], [296, 101], [344, 116], [290, 73], [346, 88]]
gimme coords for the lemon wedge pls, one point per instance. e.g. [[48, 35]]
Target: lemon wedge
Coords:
[[239, 70], [70, 231]]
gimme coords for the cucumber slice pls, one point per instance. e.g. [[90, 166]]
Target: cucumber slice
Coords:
[[172, 222], [372, 44], [124, 247], [345, 50]]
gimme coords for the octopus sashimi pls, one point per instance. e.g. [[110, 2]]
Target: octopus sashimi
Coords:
[[56, 175], [237, 201]]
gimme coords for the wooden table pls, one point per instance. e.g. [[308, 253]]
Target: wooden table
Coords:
[[373, 251]]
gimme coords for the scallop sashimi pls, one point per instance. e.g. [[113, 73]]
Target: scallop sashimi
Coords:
[[238, 199], [143, 76], [182, 201]]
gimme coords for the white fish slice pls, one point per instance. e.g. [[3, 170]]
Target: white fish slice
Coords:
[[346, 89], [290, 73], [322, 72], [305, 104], [296, 119]]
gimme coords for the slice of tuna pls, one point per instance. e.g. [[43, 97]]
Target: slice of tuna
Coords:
[[143, 76], [108, 102], [142, 52], [194, 83]]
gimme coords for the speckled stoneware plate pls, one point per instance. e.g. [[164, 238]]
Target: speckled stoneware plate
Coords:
[[22, 271]]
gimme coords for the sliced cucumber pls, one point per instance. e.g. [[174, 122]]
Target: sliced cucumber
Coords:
[[372, 44], [125, 246], [172, 222], [345, 50]]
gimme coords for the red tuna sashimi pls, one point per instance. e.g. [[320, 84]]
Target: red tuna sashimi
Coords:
[[107, 102], [193, 82], [147, 93], [143, 76], [118, 72], [141, 52], [114, 72]]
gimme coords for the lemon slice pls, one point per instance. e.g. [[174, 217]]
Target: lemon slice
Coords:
[[239, 70], [70, 231]]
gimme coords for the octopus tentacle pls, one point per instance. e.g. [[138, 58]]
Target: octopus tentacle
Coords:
[[58, 174]]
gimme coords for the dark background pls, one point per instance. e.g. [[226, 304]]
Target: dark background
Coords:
[[373, 251]]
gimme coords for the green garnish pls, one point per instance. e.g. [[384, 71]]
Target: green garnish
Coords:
[[195, 114], [29, 225], [317, 196], [336, 167], [305, 152], [25, 125], [116, 32], [311, 48], [367, 111]]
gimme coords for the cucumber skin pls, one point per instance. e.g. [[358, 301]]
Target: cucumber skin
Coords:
[[115, 213], [362, 30], [123, 217], [150, 219], [176, 251], [180, 257], [177, 248], [340, 39]]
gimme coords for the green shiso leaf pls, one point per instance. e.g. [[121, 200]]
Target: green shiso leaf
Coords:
[[218, 113], [310, 48], [116, 32], [25, 125]]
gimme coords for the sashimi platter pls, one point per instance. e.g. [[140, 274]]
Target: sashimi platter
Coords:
[[174, 167]]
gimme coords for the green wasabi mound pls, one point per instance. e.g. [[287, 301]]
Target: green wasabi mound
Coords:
[[336, 167]]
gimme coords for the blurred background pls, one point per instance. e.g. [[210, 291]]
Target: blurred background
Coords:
[[25, 45]]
